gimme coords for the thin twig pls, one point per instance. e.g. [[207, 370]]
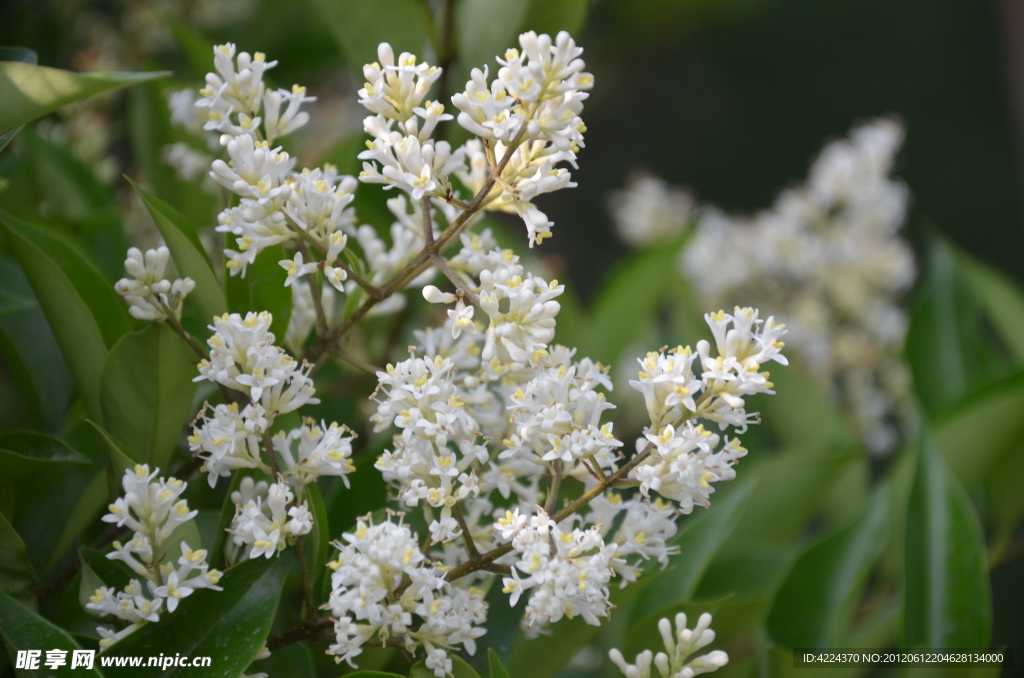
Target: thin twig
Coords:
[[556, 486], [467, 538], [485, 559], [316, 630], [439, 262], [421, 261], [176, 325], [354, 360], [314, 290], [271, 454]]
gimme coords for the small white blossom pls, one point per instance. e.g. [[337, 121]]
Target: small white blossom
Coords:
[[675, 661], [149, 295]]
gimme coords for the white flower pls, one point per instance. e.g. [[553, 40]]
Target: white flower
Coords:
[[312, 451], [262, 521], [462, 319], [395, 89], [675, 661], [649, 211], [228, 440], [149, 295], [296, 268]]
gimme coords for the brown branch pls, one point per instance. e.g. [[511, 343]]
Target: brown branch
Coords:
[[422, 261], [486, 559], [271, 454], [556, 486], [307, 584], [316, 630], [467, 538]]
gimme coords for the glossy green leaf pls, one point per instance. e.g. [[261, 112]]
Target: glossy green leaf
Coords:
[[947, 598], [16, 578], [502, 628], [230, 626], [23, 629], [357, 27], [30, 92], [86, 315], [31, 352], [189, 256], [262, 289], [146, 390], [120, 457], [498, 669], [23, 452], [1001, 299], [700, 537], [807, 610], [97, 571]]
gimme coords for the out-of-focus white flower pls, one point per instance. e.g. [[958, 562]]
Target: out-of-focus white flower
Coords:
[[827, 256], [648, 210]]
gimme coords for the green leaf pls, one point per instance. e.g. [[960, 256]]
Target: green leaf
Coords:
[[357, 27], [634, 290], [544, 16], [1001, 299], [97, 571], [189, 256], [699, 540], [16, 578], [30, 92], [802, 417], [86, 315], [23, 452], [946, 329], [120, 457], [85, 510], [460, 669], [976, 434], [262, 289], [23, 629], [498, 669], [502, 628], [807, 610], [374, 674], [25, 56], [321, 535], [230, 626], [146, 390], [31, 352], [227, 514], [484, 30], [947, 598]]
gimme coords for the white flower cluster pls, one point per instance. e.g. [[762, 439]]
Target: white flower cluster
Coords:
[[266, 519], [303, 317], [149, 295], [568, 570], [152, 510], [827, 255], [683, 460], [384, 590], [675, 661], [649, 211]]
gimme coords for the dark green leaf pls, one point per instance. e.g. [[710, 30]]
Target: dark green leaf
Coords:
[[16, 579], [699, 540], [230, 626], [30, 92], [357, 27], [119, 456], [23, 452], [947, 598], [374, 674], [262, 289], [189, 256], [23, 629], [807, 610], [31, 352], [146, 390], [485, 29], [86, 315], [97, 571], [502, 628], [84, 511], [227, 514]]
